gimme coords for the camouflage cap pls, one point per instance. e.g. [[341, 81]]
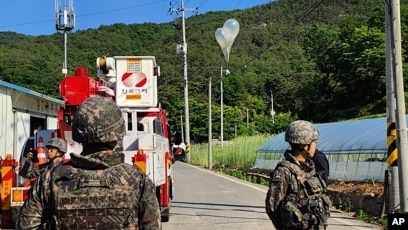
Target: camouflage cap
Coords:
[[98, 120], [58, 143], [301, 132]]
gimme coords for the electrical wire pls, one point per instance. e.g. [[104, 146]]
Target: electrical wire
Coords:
[[291, 26], [87, 15], [276, 40]]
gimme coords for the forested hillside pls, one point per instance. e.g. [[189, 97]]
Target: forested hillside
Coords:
[[322, 60]]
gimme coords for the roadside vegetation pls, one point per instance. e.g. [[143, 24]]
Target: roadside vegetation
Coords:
[[236, 155]]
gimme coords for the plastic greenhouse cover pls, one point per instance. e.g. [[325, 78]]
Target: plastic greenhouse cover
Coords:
[[354, 136]]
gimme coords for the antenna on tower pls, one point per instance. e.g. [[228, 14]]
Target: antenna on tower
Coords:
[[65, 22]]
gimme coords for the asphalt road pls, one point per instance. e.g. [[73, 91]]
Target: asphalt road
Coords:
[[205, 200]]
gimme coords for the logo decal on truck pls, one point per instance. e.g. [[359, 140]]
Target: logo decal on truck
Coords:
[[137, 79]]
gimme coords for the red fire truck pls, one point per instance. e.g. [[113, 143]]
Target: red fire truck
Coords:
[[132, 82]]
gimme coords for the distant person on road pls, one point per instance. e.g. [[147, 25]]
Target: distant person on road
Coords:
[[178, 148], [297, 198], [56, 148], [321, 165], [96, 189]]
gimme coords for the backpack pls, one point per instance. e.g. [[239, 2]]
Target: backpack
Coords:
[[309, 206], [91, 199]]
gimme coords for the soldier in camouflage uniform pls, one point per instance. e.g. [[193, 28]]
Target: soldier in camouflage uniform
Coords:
[[95, 190], [56, 148], [296, 197]]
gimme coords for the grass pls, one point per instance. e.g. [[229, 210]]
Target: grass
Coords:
[[382, 221], [239, 153]]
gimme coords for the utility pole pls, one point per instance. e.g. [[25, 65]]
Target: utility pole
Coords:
[[272, 110], [182, 129], [209, 126], [222, 110], [247, 120], [401, 125], [183, 48], [397, 159], [227, 72], [64, 21], [392, 153]]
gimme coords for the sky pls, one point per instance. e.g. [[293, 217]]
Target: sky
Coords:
[[37, 17]]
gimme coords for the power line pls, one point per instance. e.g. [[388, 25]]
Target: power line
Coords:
[[237, 4], [235, 7], [124, 8], [27, 23], [276, 40], [291, 26], [86, 15]]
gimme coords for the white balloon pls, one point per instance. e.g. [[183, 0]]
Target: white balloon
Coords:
[[232, 26], [222, 37], [226, 35], [226, 53]]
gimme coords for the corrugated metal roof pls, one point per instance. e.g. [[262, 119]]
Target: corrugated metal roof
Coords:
[[355, 136], [29, 91]]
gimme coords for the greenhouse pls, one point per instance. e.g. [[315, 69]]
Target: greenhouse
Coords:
[[356, 149]]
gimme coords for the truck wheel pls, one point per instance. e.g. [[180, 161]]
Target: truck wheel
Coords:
[[171, 188], [165, 215]]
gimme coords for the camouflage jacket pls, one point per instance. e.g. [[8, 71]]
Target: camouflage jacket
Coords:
[[35, 213], [283, 184], [29, 172]]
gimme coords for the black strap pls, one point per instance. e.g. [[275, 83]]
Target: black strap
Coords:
[[322, 182]]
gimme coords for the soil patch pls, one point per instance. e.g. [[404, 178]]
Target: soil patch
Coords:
[[362, 188], [364, 200]]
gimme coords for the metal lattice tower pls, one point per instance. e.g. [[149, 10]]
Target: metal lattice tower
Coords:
[[65, 22]]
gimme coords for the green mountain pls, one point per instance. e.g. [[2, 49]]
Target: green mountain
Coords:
[[321, 60]]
